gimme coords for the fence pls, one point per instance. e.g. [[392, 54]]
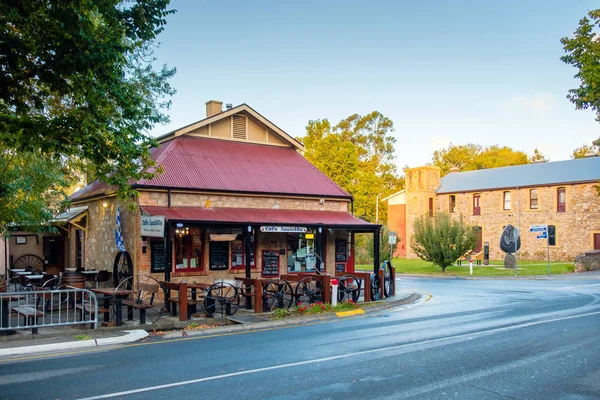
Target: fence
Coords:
[[44, 308]]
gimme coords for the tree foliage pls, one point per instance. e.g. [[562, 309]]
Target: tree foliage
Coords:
[[357, 154], [583, 53], [441, 239], [77, 82], [471, 157], [584, 150]]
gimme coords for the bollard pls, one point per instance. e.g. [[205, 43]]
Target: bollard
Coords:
[[334, 292], [471, 266]]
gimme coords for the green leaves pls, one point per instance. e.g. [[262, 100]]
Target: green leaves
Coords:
[[358, 155], [471, 157], [77, 80], [441, 239]]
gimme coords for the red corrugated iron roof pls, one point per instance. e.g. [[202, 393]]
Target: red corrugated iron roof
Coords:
[[260, 216], [199, 163]]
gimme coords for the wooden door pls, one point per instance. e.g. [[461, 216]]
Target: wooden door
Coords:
[[596, 241], [54, 254]]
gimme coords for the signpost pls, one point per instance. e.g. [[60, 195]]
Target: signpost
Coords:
[[392, 241], [542, 233]]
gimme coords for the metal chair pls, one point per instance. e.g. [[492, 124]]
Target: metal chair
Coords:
[[26, 283]]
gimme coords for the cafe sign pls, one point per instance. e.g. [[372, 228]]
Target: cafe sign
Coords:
[[286, 229], [153, 225]]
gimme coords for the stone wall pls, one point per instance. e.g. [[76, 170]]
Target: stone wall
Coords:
[[589, 261], [574, 227]]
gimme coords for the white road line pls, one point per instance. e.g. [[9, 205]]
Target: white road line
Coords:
[[577, 287], [324, 359]]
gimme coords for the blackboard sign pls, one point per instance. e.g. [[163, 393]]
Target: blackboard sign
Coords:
[[270, 263], [340, 250], [158, 257], [340, 267], [219, 256]]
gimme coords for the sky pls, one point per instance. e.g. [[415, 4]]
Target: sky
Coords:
[[484, 72]]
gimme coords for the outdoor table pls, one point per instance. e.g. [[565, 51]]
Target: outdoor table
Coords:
[[15, 270], [119, 296], [89, 272], [24, 272]]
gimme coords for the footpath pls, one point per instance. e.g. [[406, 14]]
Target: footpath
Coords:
[[60, 339]]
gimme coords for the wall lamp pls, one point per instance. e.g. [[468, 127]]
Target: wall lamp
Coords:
[[104, 204]]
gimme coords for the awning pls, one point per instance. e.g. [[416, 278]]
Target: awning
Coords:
[[262, 216], [70, 214]]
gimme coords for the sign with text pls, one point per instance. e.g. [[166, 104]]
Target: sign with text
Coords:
[[538, 228], [158, 257], [392, 238], [153, 226], [270, 263], [286, 229], [542, 236]]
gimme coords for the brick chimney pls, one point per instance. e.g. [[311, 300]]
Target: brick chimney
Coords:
[[213, 107]]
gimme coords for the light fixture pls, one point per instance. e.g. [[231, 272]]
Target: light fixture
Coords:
[[320, 230], [104, 204], [179, 225], [249, 229]]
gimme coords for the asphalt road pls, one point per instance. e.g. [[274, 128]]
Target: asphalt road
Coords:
[[467, 339]]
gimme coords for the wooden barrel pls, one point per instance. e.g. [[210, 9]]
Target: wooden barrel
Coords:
[[74, 279]]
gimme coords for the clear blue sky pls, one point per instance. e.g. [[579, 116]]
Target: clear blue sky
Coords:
[[485, 72]]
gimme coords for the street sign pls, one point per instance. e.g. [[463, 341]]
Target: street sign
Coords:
[[543, 236], [538, 228], [392, 238]]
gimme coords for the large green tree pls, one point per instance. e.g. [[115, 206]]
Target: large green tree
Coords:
[[471, 157], [586, 149], [583, 53], [441, 239], [357, 154], [77, 82]]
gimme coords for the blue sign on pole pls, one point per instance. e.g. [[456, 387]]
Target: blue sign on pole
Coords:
[[538, 229], [543, 236]]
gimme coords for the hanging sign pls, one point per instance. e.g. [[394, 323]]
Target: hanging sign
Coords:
[[287, 229], [153, 226], [223, 237]]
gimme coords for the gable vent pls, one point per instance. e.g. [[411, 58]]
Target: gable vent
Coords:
[[239, 127]]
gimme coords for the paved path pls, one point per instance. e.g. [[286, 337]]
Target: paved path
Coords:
[[466, 339]]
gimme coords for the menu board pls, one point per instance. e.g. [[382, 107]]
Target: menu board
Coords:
[[340, 250], [219, 256], [270, 263], [340, 267], [237, 254], [158, 257]]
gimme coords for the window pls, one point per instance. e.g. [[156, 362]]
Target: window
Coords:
[[533, 199], [188, 249], [452, 203], [431, 206], [238, 253], [506, 200], [561, 199], [551, 235], [476, 207]]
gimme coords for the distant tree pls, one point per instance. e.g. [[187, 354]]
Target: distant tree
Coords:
[[441, 239], [584, 150], [77, 81], [358, 155], [583, 53], [537, 156], [472, 157]]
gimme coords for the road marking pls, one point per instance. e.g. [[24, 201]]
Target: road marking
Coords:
[[349, 313], [577, 287], [339, 357]]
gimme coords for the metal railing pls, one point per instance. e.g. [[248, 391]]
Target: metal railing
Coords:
[[44, 308]]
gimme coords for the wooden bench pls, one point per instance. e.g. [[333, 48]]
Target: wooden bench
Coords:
[[143, 299], [30, 314], [188, 303], [87, 308]]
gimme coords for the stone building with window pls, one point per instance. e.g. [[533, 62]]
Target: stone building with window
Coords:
[[561, 194], [236, 198]]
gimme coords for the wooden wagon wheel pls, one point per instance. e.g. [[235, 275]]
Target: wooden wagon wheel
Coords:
[[349, 288], [122, 267], [278, 294], [145, 290], [30, 261], [309, 290], [375, 287], [387, 280], [221, 299]]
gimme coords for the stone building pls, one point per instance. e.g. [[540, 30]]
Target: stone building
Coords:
[[236, 198], [561, 194]]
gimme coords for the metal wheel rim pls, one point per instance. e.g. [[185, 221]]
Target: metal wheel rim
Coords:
[[219, 298], [279, 295], [28, 261], [305, 291]]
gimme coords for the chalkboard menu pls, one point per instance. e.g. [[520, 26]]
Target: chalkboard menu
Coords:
[[340, 267], [219, 256], [158, 257], [270, 263], [340, 250]]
